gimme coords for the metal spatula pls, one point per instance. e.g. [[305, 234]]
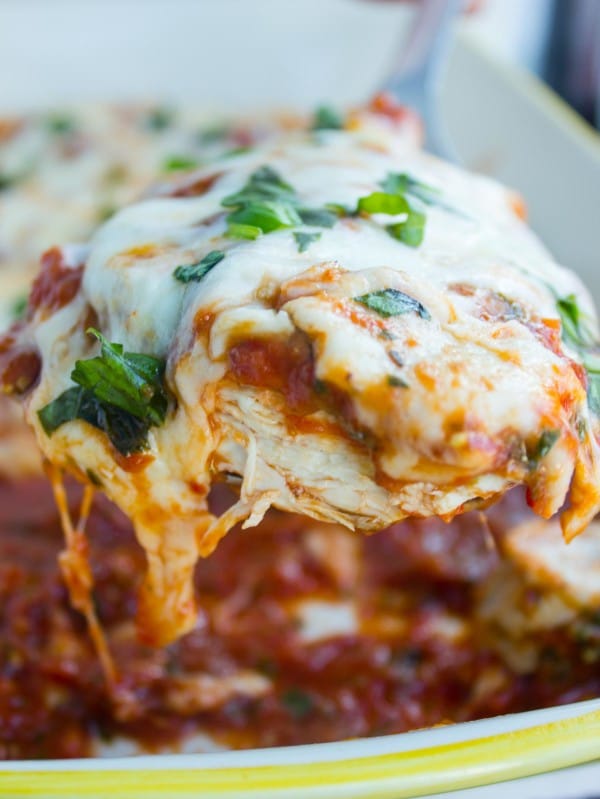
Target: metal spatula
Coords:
[[416, 78]]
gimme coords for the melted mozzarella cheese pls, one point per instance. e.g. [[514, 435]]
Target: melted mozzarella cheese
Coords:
[[424, 413]]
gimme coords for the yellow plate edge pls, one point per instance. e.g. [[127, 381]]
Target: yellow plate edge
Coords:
[[465, 764]]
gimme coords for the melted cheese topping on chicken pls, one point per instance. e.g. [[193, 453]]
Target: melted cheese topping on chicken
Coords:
[[429, 411]]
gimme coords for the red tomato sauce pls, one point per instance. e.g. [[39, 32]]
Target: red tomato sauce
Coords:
[[55, 703]]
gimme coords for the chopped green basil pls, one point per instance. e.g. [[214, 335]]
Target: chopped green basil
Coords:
[[236, 231], [577, 333], [399, 190], [7, 181], [298, 703], [544, 444], [267, 203], [60, 124], [403, 183], [319, 217], [327, 118], [264, 185], [396, 382], [19, 307], [304, 240], [120, 393], [195, 272], [339, 210], [411, 230], [267, 216], [179, 163], [158, 119], [380, 202], [105, 212], [214, 134], [391, 302]]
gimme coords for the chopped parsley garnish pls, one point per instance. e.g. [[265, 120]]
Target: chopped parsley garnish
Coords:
[[195, 272], [403, 183], [7, 181], [318, 217], [243, 231], [304, 240], [380, 202], [120, 393], [543, 446], [267, 216], [396, 382], [327, 118], [267, 203], [179, 163], [60, 124], [411, 230], [104, 212], [400, 191], [19, 307], [298, 703], [158, 119], [391, 302], [577, 333], [263, 185], [214, 134]]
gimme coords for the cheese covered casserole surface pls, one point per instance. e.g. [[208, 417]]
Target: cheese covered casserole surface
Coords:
[[343, 325], [312, 318]]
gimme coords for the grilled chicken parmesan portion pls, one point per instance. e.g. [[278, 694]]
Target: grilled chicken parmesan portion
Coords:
[[333, 321]]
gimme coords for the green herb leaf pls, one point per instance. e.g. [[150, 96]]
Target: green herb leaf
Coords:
[[319, 217], [127, 380], [7, 181], [251, 232], [396, 382], [158, 119], [126, 432], [104, 212], [578, 334], [379, 202], [60, 124], [179, 163], [264, 185], [213, 134], [297, 702], [304, 240], [545, 443], [339, 210], [403, 183], [391, 302], [411, 231], [327, 118], [120, 393], [195, 272], [19, 307], [268, 216], [267, 203]]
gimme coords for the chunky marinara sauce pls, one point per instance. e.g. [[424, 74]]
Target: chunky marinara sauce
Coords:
[[400, 669]]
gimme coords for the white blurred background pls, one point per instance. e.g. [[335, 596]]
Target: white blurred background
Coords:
[[241, 55]]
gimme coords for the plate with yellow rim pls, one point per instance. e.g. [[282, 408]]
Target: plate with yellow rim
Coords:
[[389, 767], [343, 67]]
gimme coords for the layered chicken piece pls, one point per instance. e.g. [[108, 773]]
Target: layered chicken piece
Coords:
[[63, 172], [331, 321]]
